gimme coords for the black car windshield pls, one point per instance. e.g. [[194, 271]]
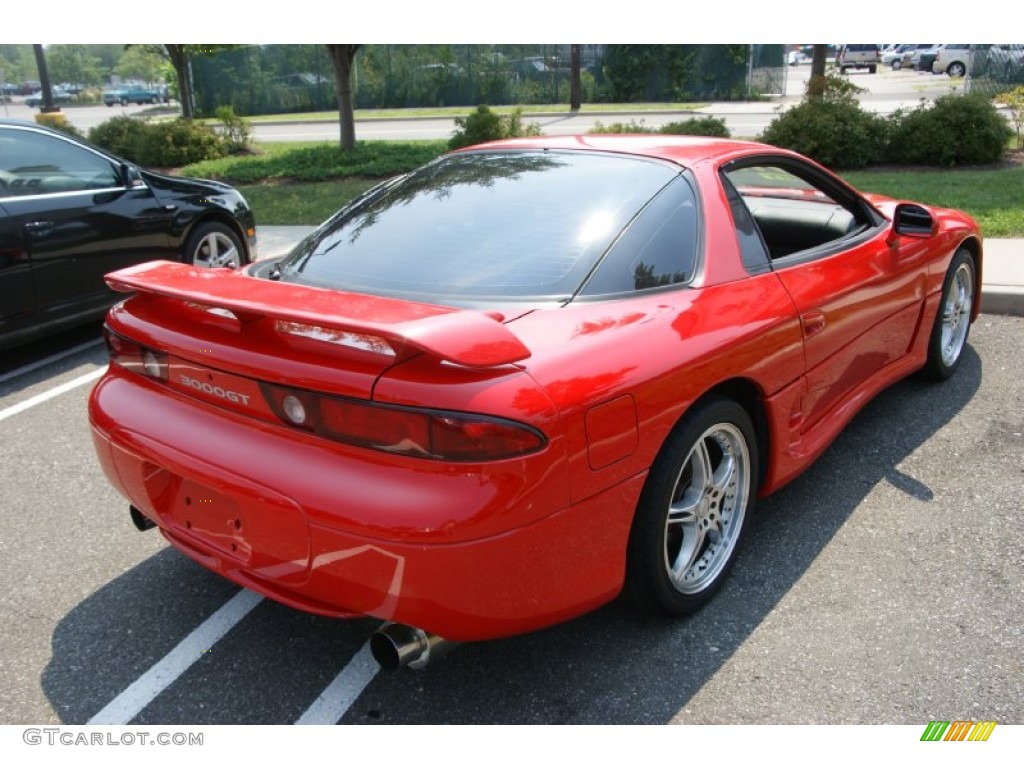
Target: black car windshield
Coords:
[[482, 225]]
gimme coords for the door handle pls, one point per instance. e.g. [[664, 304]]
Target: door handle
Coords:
[[813, 322], [37, 228]]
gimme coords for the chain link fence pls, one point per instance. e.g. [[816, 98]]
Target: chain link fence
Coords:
[[272, 79]]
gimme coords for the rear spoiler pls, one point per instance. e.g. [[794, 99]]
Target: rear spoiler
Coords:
[[461, 336]]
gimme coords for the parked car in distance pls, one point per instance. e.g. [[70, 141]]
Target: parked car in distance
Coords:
[[858, 57], [493, 394], [952, 59], [891, 56], [70, 213], [133, 94], [907, 62], [922, 58], [59, 97]]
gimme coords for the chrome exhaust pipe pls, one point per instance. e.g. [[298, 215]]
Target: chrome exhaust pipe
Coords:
[[397, 645], [139, 520]]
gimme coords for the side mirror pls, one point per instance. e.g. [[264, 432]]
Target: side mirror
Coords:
[[131, 176], [913, 220]]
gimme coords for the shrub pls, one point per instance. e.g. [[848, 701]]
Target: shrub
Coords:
[[59, 121], [698, 126], [119, 135], [178, 142], [830, 126], [633, 126], [954, 130], [694, 126], [485, 125], [836, 133], [235, 131]]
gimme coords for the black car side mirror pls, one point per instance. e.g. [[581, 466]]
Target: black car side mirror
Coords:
[[131, 176], [913, 221]]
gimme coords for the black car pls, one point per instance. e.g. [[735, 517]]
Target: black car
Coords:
[[71, 212]]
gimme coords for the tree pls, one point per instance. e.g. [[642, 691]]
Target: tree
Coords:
[[816, 83], [342, 57], [141, 62], [575, 90], [180, 57], [73, 64]]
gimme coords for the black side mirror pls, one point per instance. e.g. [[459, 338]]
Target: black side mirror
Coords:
[[131, 176], [913, 220]]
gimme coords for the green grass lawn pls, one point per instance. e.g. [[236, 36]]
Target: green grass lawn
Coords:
[[994, 197]]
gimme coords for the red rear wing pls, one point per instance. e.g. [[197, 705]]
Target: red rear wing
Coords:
[[460, 336]]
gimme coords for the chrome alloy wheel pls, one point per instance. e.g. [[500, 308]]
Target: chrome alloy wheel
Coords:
[[707, 507], [216, 249], [956, 313]]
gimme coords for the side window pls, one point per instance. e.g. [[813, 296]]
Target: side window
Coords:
[[658, 248], [33, 163], [792, 213]]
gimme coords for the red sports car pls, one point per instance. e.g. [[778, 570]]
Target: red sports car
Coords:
[[495, 393]]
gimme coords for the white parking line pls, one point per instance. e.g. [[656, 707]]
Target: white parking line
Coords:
[[49, 394], [137, 695], [331, 705], [47, 360]]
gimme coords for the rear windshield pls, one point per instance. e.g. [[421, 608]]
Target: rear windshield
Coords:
[[482, 225]]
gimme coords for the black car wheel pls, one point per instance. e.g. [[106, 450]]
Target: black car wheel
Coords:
[[214, 245], [692, 512], [953, 320], [956, 69]]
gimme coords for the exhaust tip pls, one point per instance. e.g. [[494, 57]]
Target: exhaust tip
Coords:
[[396, 645], [385, 651]]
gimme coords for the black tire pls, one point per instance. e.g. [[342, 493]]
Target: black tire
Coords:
[[956, 69], [214, 245], [952, 322], [705, 477], [897, 64], [873, 69]]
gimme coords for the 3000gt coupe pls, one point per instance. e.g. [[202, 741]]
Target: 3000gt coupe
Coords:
[[495, 393]]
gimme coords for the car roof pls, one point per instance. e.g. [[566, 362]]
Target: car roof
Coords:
[[684, 150]]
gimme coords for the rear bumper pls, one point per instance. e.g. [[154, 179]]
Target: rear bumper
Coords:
[[341, 535]]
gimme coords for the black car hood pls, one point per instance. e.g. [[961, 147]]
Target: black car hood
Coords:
[[183, 186]]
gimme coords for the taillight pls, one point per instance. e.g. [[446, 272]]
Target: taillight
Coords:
[[135, 357], [418, 432]]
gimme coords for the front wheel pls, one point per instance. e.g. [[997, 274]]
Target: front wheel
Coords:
[[956, 69], [693, 509], [953, 321], [214, 245]]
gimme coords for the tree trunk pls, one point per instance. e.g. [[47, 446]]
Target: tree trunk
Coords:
[[816, 83], [179, 60], [575, 89], [342, 57]]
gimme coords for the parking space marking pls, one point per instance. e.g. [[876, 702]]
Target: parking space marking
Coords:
[[139, 694], [49, 394], [331, 705], [49, 359]]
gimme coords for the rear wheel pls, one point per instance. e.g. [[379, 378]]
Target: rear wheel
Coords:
[[692, 512], [953, 321], [956, 69]]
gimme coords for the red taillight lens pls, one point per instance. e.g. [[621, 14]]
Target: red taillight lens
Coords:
[[407, 431], [135, 357]]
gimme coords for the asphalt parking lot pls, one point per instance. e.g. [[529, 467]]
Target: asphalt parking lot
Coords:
[[883, 586]]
